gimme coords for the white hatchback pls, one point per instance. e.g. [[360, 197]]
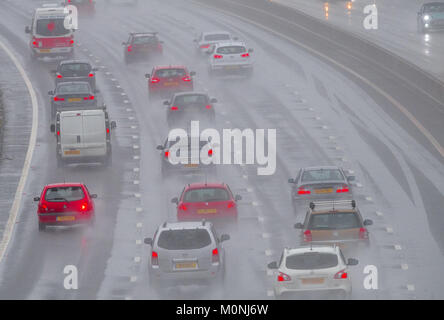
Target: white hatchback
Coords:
[[312, 269], [230, 57], [207, 39]]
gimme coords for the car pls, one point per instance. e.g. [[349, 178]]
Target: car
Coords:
[[189, 163], [84, 7], [319, 183], [207, 39], [166, 80], [75, 70], [431, 17], [312, 269], [206, 201], [65, 204], [184, 107], [184, 252], [72, 94], [123, 2], [141, 45], [230, 58], [334, 222]]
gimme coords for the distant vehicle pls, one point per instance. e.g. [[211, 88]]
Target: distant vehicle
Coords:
[[48, 34], [312, 269], [75, 70], [83, 136], [206, 201], [320, 183], [141, 45], [206, 39], [123, 2], [186, 251], [166, 80], [84, 7], [72, 94], [65, 204], [334, 222], [230, 58], [187, 106], [431, 17]]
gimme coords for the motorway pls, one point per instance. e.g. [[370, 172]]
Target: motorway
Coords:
[[331, 100]]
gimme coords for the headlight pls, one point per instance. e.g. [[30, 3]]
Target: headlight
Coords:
[[426, 17]]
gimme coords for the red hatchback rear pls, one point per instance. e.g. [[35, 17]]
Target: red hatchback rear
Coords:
[[65, 204], [164, 81], [206, 201]]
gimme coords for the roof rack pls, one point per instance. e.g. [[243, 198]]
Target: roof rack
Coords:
[[333, 204]]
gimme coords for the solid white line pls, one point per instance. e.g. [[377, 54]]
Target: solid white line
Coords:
[[13, 213]]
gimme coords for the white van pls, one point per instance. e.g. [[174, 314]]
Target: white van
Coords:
[[83, 136]]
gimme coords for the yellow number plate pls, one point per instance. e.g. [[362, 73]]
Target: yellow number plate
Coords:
[[66, 218], [186, 265], [313, 281], [329, 190], [70, 152], [45, 50], [74, 99], [204, 211]]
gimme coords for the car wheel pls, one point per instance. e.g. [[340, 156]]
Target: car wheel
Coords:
[[42, 226]]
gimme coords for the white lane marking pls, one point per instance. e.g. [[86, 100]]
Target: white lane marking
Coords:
[[389, 230], [359, 185], [133, 279], [136, 157], [379, 213], [404, 266], [410, 287], [138, 209], [136, 181], [270, 293], [268, 252], [138, 242], [137, 259], [137, 195], [136, 169], [13, 213], [139, 225], [369, 198], [261, 219], [266, 235], [397, 247], [135, 146], [270, 272]]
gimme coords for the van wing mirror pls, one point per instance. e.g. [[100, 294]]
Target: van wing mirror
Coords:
[[368, 222], [291, 180], [94, 196], [237, 197], [27, 29], [299, 226], [52, 128], [160, 147], [351, 178], [272, 265], [51, 93], [213, 100], [36, 198], [192, 73], [224, 237], [148, 241], [166, 103], [147, 75], [113, 125]]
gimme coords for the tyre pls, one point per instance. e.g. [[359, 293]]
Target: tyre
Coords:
[[42, 227]]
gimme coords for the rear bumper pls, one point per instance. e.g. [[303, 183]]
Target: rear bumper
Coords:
[[52, 51], [50, 219], [282, 291], [304, 201], [89, 159], [226, 216]]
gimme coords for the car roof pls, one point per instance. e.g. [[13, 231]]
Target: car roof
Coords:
[[215, 32], [230, 43], [201, 185], [186, 93], [170, 67], [185, 225], [141, 34], [321, 167], [74, 61], [72, 82], [64, 184], [314, 248]]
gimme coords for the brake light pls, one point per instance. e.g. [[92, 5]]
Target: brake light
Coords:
[[217, 56], [84, 207], [210, 152], [88, 98], [59, 99], [245, 55], [231, 204], [107, 130], [59, 76], [205, 46], [35, 43], [341, 275], [187, 79], [58, 133], [363, 233], [130, 48], [283, 277], [71, 41], [43, 208], [208, 106], [344, 188], [154, 258], [215, 256], [174, 108], [307, 236], [183, 207], [91, 75], [155, 80], [167, 154], [301, 190]]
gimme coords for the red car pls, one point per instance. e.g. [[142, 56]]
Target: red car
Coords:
[[206, 201], [65, 204], [84, 7], [166, 80], [141, 45]]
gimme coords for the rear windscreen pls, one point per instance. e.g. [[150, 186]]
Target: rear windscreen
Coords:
[[190, 100], [334, 221], [170, 73], [311, 260], [145, 40], [64, 194], [322, 175], [217, 37], [231, 50], [73, 88], [80, 69], [206, 195], [51, 27], [185, 239]]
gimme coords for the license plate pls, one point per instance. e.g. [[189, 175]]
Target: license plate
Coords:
[[186, 265], [74, 99], [66, 218], [231, 67], [167, 84], [45, 50], [205, 211], [319, 191], [191, 165], [70, 152], [313, 281]]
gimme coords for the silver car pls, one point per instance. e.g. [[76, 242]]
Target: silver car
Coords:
[[207, 39], [230, 57], [186, 252]]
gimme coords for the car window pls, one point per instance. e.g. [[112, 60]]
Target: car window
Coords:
[[170, 73], [334, 221], [64, 194], [206, 195], [436, 7], [185, 239], [231, 50], [51, 27], [71, 68], [322, 175], [145, 40], [184, 100], [73, 88], [217, 37], [311, 260]]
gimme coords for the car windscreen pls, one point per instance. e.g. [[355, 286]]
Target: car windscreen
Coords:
[[73, 88], [311, 260], [51, 27], [334, 221], [195, 99], [216, 37], [145, 40], [206, 195], [438, 7], [64, 194], [185, 239], [170, 73], [231, 50], [71, 69], [322, 175]]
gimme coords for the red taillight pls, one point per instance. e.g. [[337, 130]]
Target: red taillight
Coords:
[[88, 98], [174, 108], [91, 75], [183, 207], [71, 41], [43, 208], [130, 48], [107, 130], [58, 133], [215, 256], [187, 79], [344, 188], [363, 233], [155, 80], [210, 152], [301, 190], [59, 99], [307, 236], [205, 46], [245, 55], [218, 56], [231, 204], [341, 275], [154, 258], [283, 277], [167, 154], [59, 76], [83, 207], [208, 106]]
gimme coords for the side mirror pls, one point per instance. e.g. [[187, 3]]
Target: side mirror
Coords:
[[192, 73], [123, 43], [224, 237], [272, 265], [166, 103], [351, 178], [113, 125], [299, 226], [53, 71], [175, 200], [160, 147], [52, 128], [368, 222], [94, 196], [237, 197], [148, 241], [291, 180], [36, 198], [352, 262], [250, 50], [51, 93], [27, 29], [95, 69], [147, 75], [213, 100]]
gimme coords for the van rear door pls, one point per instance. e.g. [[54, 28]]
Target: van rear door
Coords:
[[94, 133], [71, 132]]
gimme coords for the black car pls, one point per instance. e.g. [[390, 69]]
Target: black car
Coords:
[[72, 94], [187, 106], [319, 183], [75, 70], [141, 45], [431, 17]]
